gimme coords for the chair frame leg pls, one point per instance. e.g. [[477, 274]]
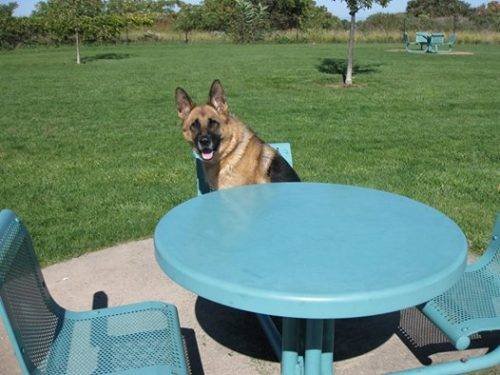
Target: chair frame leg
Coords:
[[490, 359]]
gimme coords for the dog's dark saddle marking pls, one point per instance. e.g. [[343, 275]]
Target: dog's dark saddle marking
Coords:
[[281, 171]]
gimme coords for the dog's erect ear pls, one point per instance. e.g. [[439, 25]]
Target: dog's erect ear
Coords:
[[217, 97], [184, 103]]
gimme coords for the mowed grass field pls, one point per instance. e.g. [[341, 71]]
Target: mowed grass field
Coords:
[[93, 155]]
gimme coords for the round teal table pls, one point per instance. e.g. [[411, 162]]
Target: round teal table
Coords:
[[310, 253]]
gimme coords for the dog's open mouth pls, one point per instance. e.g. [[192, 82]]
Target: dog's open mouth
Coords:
[[207, 154]]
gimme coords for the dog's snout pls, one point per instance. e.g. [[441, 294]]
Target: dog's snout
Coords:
[[204, 140]]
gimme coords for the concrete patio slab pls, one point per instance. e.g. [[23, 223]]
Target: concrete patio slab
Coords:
[[221, 340]]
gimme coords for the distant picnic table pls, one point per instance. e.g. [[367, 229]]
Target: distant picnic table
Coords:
[[429, 42]]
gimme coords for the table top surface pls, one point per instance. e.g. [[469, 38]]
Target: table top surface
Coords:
[[310, 250]]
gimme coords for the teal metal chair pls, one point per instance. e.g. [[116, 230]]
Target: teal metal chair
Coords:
[[421, 40], [266, 322], [283, 148], [452, 40], [141, 338], [471, 306]]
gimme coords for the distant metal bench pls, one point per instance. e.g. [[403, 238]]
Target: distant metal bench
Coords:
[[471, 306], [143, 338], [429, 42], [202, 186], [422, 39]]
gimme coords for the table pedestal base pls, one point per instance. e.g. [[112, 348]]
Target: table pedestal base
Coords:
[[306, 345]]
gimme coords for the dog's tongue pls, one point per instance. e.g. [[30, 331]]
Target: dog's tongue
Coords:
[[207, 155]]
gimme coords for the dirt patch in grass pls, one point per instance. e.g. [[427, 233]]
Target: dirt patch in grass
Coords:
[[455, 53]]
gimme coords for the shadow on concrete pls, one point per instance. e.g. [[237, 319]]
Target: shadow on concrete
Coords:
[[357, 336], [99, 300], [106, 56], [240, 331], [424, 339], [193, 354], [235, 329]]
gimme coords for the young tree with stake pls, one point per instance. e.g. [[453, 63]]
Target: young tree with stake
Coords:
[[354, 6], [66, 17]]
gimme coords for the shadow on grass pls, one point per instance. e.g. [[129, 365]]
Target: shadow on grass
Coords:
[[106, 56], [339, 66]]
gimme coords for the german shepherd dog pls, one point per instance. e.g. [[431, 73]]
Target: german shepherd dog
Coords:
[[232, 154]]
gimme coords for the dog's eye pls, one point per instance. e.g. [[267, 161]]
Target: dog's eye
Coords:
[[212, 124], [195, 125]]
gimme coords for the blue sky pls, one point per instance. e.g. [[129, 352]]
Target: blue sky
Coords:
[[337, 7]]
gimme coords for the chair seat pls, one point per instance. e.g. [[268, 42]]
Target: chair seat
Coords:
[[132, 339], [142, 338], [472, 305]]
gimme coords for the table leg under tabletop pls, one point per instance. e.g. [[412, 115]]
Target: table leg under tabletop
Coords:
[[306, 345]]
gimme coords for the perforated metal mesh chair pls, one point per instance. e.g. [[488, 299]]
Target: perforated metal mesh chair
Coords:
[[472, 305], [265, 320], [283, 148], [133, 339]]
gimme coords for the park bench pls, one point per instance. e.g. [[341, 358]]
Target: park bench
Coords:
[[471, 306], [142, 338], [429, 42]]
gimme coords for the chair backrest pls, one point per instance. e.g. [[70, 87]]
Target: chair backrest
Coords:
[[283, 148], [490, 260], [31, 317]]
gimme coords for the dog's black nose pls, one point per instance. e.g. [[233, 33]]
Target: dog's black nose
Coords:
[[204, 141]]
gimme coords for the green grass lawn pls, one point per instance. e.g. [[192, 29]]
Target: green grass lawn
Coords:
[[93, 155]]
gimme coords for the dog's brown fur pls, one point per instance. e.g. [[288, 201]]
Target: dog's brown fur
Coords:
[[241, 157]]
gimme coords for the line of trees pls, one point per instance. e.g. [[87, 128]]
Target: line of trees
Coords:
[[64, 21], [74, 21], [77, 21], [244, 20], [248, 20]]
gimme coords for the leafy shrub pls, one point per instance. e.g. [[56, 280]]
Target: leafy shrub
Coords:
[[487, 17], [249, 23], [15, 31], [188, 19]]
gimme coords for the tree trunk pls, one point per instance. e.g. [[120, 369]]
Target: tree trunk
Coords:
[[186, 37], [77, 37], [350, 49]]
